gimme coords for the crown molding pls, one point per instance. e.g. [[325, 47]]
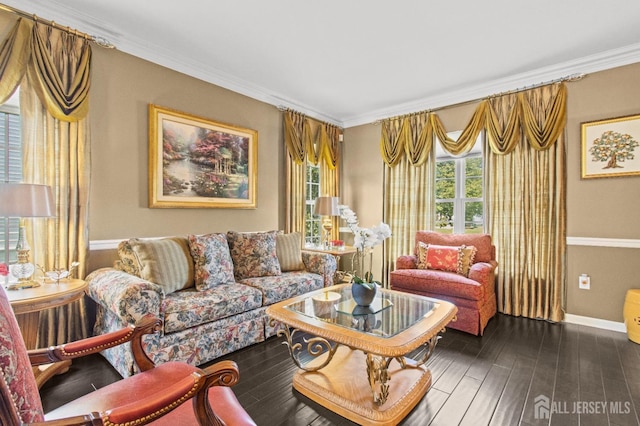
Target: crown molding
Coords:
[[599, 62]]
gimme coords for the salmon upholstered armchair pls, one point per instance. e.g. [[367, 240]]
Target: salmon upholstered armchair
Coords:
[[458, 268], [173, 393]]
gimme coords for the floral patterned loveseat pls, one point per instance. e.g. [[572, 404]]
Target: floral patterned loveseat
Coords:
[[211, 291]]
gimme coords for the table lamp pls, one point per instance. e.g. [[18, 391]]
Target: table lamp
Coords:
[[327, 207], [25, 200]]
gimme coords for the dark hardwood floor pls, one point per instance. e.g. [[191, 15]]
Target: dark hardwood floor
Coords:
[[576, 375]]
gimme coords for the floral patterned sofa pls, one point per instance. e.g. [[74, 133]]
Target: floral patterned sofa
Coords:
[[211, 291]]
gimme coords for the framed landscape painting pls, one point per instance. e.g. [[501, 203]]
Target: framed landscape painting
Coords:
[[199, 163], [611, 147]]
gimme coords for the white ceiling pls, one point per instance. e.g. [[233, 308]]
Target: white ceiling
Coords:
[[351, 62]]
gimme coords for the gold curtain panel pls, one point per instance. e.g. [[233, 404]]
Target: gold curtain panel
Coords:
[[413, 135], [62, 87], [310, 140]]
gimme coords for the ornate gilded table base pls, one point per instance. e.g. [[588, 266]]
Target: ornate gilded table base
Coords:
[[357, 385], [343, 387], [362, 373]]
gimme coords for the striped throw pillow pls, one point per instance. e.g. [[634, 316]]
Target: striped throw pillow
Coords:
[[289, 251], [166, 262]]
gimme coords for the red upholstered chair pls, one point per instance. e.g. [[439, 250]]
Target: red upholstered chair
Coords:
[[173, 393], [474, 295]]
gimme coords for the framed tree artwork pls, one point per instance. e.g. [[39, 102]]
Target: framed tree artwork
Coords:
[[611, 147], [195, 162]]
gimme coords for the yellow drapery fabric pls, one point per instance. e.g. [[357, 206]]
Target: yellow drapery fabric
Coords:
[[321, 141], [393, 142], [526, 198], [525, 185], [63, 75], [543, 129], [408, 207], [295, 195], [309, 140], [14, 57], [467, 138], [55, 153], [503, 134], [27, 51], [293, 125]]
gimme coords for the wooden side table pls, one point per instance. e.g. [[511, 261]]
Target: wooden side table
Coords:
[[27, 304]]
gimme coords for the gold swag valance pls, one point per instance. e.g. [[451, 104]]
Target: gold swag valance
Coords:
[[310, 140], [413, 135], [61, 81]]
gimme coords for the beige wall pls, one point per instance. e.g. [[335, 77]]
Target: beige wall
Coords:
[[597, 208], [604, 207], [122, 88]]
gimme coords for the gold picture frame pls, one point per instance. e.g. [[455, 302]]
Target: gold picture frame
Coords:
[[195, 162], [611, 148]]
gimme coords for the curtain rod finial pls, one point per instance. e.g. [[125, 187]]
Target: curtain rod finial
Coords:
[[576, 76]]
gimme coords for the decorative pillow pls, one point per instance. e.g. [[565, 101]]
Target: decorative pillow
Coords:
[[467, 258], [442, 258], [456, 259], [212, 260], [128, 261], [254, 254], [289, 251], [482, 242], [166, 262]]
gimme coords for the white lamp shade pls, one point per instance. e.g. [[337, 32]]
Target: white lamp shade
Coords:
[[26, 200], [326, 206]]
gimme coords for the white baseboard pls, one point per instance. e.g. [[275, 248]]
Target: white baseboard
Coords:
[[595, 322]]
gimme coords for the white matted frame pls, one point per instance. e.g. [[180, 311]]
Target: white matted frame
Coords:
[[611, 147], [195, 162]]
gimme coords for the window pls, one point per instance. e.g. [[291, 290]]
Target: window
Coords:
[[10, 171], [459, 191], [312, 224]]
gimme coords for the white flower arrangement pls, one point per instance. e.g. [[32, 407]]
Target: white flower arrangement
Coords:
[[364, 240]]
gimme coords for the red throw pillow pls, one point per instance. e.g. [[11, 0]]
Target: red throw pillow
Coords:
[[456, 259], [442, 258]]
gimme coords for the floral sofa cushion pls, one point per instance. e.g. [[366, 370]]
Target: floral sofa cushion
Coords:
[[254, 254], [213, 264], [189, 308], [277, 288], [127, 260]]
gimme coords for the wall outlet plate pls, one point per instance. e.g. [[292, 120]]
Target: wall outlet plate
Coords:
[[584, 282]]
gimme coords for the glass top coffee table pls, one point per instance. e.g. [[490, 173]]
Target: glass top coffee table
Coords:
[[359, 368]]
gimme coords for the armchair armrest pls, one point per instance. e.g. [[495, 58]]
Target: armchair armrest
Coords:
[[223, 373], [91, 345], [130, 298], [408, 261], [176, 389], [484, 273], [321, 263]]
